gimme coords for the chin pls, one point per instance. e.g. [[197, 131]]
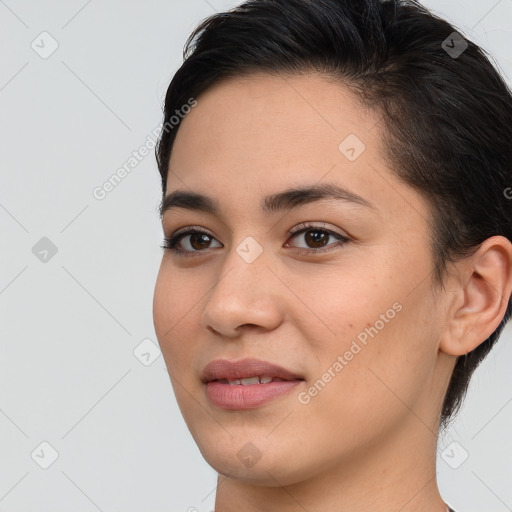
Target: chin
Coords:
[[243, 461]]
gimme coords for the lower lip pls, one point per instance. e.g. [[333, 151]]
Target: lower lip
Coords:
[[228, 396]]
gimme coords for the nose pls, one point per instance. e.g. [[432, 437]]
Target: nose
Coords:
[[246, 293]]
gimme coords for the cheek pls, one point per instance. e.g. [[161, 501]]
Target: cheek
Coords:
[[175, 319], [372, 334], [176, 295], [331, 306], [175, 309], [375, 386]]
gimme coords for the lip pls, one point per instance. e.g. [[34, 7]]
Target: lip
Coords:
[[238, 396], [244, 368]]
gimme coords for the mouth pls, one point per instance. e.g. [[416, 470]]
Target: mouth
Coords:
[[246, 372], [247, 383], [250, 381]]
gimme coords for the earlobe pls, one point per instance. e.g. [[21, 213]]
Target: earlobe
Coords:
[[485, 280]]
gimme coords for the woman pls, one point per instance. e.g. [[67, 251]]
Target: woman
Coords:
[[338, 254]]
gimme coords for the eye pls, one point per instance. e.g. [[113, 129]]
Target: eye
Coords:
[[316, 238], [198, 241]]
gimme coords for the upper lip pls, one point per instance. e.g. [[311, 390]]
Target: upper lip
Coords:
[[243, 368]]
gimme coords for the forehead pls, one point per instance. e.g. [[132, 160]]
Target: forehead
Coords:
[[259, 134], [287, 115]]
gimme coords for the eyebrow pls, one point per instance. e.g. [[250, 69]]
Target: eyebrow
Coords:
[[281, 201]]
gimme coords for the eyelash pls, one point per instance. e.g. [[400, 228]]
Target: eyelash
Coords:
[[172, 243]]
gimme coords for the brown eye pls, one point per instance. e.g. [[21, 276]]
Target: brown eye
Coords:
[[199, 241], [316, 239]]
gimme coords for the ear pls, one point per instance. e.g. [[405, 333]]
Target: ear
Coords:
[[482, 292]]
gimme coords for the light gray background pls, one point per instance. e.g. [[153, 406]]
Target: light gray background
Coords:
[[70, 325]]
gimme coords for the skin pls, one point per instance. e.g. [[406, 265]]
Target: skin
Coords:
[[367, 440]]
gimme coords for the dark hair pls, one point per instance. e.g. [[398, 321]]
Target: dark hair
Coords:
[[447, 116]]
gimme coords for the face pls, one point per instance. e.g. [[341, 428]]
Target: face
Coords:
[[334, 288]]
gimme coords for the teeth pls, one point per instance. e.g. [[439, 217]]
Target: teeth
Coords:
[[249, 381]]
